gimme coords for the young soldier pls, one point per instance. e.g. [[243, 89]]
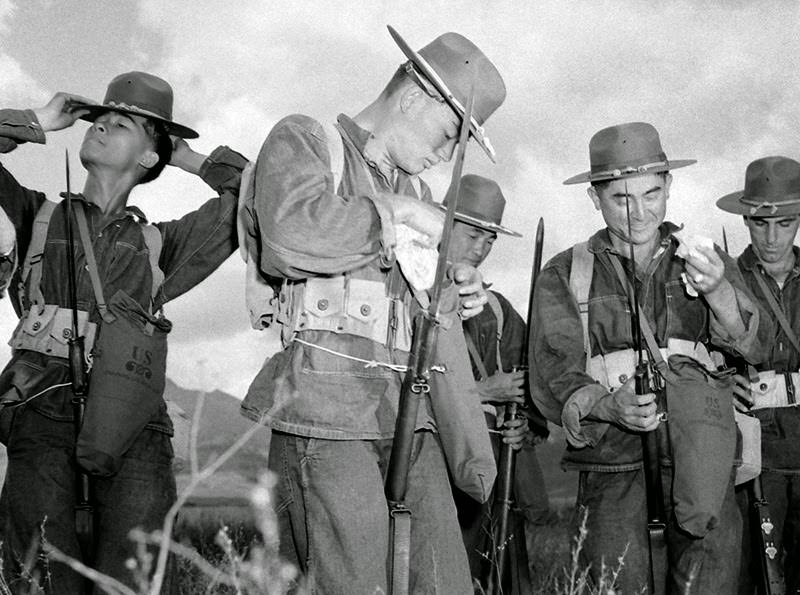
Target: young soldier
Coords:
[[770, 205], [331, 396], [496, 343], [128, 143], [597, 404]]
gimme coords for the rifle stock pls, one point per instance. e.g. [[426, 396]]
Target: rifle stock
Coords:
[[769, 577]]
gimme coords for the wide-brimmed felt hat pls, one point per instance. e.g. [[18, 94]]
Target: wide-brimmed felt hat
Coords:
[[141, 94], [481, 203], [450, 63], [624, 151], [771, 189]]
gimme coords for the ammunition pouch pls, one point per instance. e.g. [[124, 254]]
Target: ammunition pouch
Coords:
[[48, 329], [344, 305], [773, 389]]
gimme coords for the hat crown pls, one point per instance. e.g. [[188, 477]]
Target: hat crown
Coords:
[[772, 178], [629, 145], [141, 90], [456, 59], [480, 198]]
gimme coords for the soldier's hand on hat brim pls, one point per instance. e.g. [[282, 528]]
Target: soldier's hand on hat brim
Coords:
[[61, 111], [184, 157]]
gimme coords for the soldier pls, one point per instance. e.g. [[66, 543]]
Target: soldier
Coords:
[[131, 139], [496, 343], [589, 388], [331, 395], [770, 206]]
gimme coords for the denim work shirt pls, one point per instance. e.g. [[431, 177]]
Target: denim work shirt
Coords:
[[482, 329], [193, 247], [308, 228], [559, 379], [780, 426]]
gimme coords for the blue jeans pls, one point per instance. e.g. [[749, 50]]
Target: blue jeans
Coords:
[[334, 519], [617, 518], [40, 488], [782, 492]]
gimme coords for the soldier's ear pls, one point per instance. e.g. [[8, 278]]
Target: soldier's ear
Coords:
[[410, 98], [592, 192], [149, 159]]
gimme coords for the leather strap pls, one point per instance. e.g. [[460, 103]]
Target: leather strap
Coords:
[[91, 263], [776, 309]]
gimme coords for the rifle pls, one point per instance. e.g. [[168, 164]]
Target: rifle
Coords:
[[507, 464], [769, 575], [415, 383], [84, 511], [656, 517]]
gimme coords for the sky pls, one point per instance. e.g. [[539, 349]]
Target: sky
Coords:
[[719, 80]]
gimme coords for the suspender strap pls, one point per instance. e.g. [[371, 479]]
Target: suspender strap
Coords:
[[580, 281], [776, 309], [91, 263], [32, 266], [475, 356]]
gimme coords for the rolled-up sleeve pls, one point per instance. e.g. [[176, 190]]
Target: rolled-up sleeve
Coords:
[[560, 386], [306, 228]]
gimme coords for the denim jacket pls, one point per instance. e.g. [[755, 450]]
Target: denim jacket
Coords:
[[562, 388], [780, 426], [193, 247], [309, 229]]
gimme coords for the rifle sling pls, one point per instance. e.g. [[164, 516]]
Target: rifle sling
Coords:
[[776, 309], [91, 262]]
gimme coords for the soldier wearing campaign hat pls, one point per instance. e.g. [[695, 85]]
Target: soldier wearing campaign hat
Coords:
[[132, 138], [769, 203], [583, 357], [329, 201]]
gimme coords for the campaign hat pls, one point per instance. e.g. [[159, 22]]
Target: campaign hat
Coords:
[[624, 151], [771, 189], [141, 94], [481, 203], [449, 64]]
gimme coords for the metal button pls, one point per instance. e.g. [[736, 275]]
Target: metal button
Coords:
[[37, 325], [623, 378], [365, 310], [322, 304], [66, 333], [762, 386]]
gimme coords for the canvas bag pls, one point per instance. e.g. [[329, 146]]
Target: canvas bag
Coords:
[[701, 429], [127, 377]]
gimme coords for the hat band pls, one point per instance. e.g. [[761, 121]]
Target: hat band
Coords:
[[641, 169], [773, 206], [438, 82], [133, 108]]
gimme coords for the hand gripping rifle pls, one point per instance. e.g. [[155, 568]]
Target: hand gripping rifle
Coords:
[[84, 522], [656, 517], [507, 465], [769, 579], [415, 384]]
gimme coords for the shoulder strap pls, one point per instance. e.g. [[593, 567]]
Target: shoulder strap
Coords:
[[32, 267], [580, 281], [497, 309], [91, 263], [776, 309], [154, 242]]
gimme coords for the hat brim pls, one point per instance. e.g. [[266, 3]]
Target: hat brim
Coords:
[[588, 176], [94, 111], [487, 225], [433, 77], [732, 203]]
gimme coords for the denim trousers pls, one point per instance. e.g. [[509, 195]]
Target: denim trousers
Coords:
[[782, 493], [39, 497], [616, 524], [334, 518]]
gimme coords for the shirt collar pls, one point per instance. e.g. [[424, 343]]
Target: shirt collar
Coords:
[[358, 137], [601, 240], [129, 210], [748, 260]]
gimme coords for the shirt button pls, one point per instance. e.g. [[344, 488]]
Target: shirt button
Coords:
[[322, 304], [623, 378], [365, 310]]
